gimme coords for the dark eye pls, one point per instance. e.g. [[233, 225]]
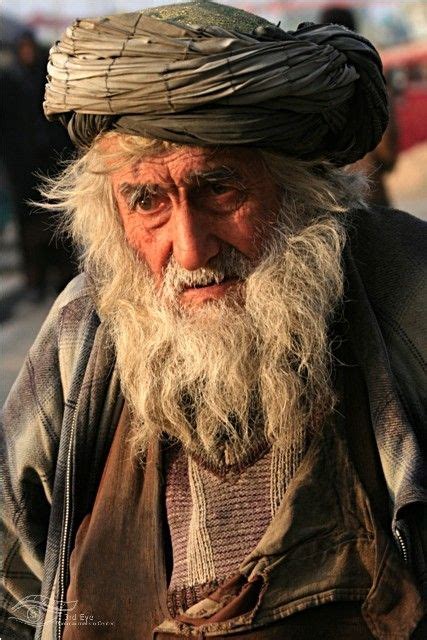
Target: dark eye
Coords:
[[218, 196], [219, 188], [149, 200], [146, 201]]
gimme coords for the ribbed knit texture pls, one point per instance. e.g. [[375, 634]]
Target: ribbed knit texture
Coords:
[[216, 520]]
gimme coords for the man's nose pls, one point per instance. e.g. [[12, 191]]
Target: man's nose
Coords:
[[194, 242]]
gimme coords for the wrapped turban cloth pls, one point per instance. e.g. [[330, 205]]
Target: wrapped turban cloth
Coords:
[[230, 78]]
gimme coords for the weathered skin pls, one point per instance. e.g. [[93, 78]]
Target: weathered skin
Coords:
[[191, 217]]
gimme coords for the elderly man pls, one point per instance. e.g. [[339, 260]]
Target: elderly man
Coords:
[[218, 431]]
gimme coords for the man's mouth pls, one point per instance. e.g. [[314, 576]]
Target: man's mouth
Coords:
[[207, 283], [211, 289], [223, 276]]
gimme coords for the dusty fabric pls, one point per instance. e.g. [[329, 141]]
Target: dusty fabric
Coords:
[[323, 545], [337, 620], [317, 91], [117, 566]]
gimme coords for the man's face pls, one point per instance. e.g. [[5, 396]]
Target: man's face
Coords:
[[192, 204]]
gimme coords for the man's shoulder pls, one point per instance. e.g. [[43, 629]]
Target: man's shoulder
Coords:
[[73, 317], [74, 305], [70, 326], [390, 250], [387, 228], [78, 292]]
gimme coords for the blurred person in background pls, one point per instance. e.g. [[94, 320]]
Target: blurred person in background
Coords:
[[219, 430], [337, 14], [382, 159], [30, 146]]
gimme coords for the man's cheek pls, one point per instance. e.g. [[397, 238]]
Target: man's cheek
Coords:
[[133, 236], [137, 236], [149, 249]]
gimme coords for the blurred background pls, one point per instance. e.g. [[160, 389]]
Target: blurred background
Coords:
[[35, 264]]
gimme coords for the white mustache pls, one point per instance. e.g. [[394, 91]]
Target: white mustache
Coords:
[[229, 263]]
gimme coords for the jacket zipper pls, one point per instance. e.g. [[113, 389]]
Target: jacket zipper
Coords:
[[63, 551], [402, 544]]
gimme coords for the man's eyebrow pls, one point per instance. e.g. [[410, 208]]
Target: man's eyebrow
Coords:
[[218, 174], [132, 192], [127, 188]]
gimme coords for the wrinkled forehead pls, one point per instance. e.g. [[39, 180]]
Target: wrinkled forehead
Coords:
[[183, 164]]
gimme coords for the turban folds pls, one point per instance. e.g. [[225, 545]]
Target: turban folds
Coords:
[[314, 92]]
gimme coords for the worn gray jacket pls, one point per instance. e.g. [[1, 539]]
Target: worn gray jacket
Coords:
[[59, 419]]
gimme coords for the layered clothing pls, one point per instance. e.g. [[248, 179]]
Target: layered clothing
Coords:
[[61, 416]]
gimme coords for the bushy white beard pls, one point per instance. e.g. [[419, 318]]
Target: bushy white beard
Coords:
[[231, 373]]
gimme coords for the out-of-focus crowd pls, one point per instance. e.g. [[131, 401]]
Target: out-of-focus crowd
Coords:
[[31, 148]]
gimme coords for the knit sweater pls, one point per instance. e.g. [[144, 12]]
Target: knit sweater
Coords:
[[216, 518]]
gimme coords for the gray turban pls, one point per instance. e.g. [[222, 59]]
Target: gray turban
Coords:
[[229, 79]]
